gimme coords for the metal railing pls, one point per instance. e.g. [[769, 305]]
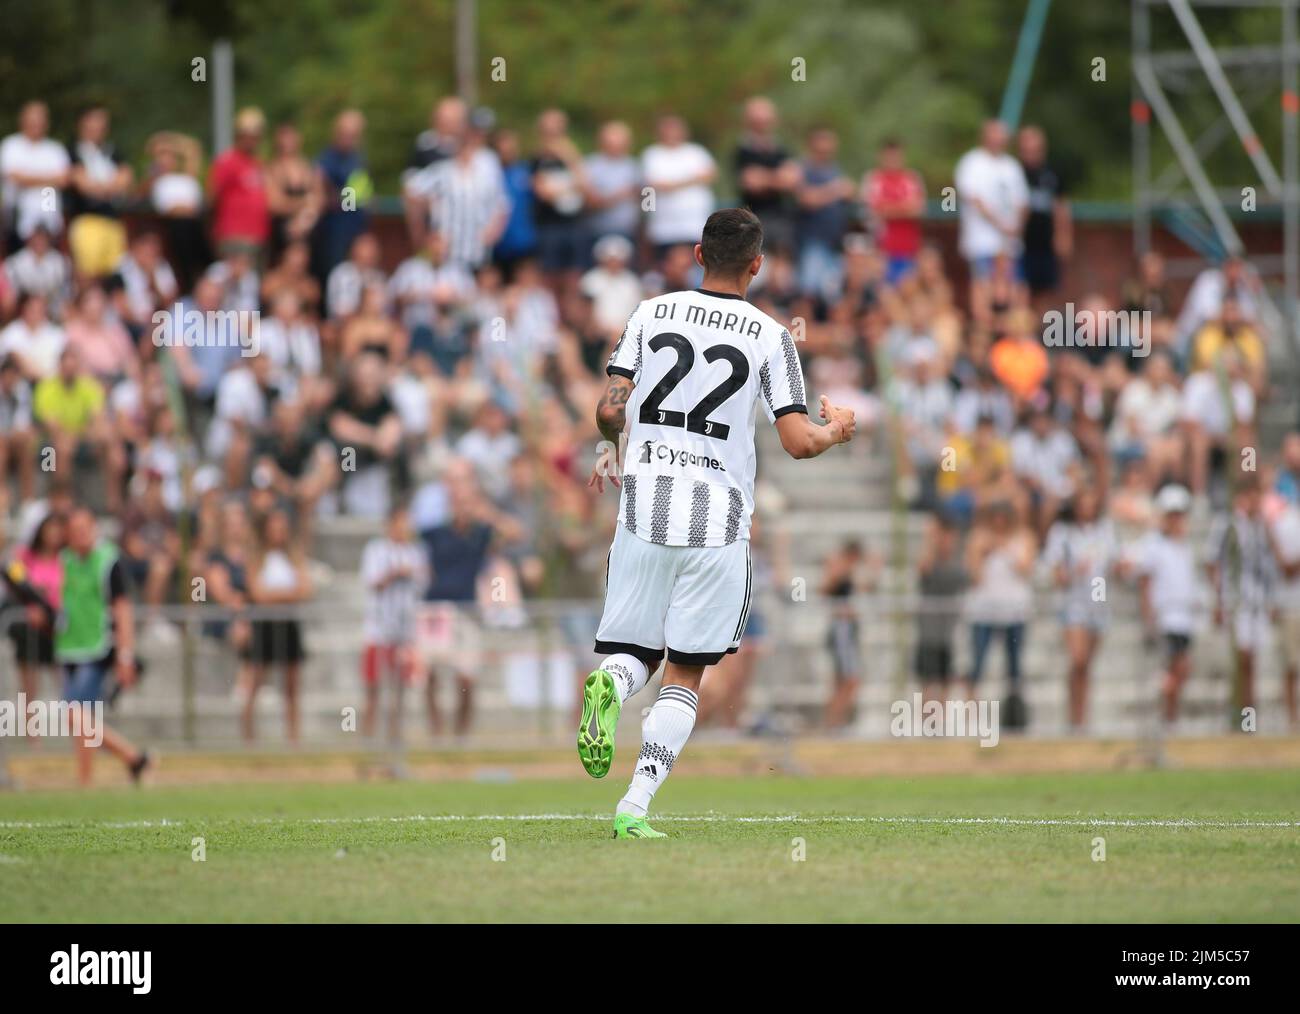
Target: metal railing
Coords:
[[524, 663]]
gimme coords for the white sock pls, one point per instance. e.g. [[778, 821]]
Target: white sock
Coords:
[[663, 736], [630, 674]]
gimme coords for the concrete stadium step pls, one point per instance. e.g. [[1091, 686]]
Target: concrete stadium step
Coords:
[[340, 540]]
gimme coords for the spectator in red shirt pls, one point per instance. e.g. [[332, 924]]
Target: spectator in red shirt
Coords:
[[237, 188], [895, 197]]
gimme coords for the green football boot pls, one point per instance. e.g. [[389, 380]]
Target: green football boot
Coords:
[[600, 710], [628, 826]]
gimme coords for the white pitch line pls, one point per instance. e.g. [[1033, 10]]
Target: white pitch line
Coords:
[[711, 818]]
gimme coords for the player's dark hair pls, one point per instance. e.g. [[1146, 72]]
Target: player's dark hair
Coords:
[[732, 238]]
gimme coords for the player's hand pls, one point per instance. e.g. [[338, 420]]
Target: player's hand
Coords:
[[608, 455], [844, 416], [598, 476]]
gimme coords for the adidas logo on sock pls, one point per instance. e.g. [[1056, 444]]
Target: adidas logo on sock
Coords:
[[654, 755], [650, 771]]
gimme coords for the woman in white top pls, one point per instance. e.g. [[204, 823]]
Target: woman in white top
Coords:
[[34, 341], [1080, 552], [177, 195], [1146, 418], [1000, 560], [277, 582], [681, 174]]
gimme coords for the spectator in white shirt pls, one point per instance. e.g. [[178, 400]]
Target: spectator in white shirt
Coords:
[[464, 198], [1046, 459], [34, 339], [148, 283], [490, 446], [34, 169], [173, 192], [680, 174], [177, 195], [351, 277], [993, 201], [923, 400], [243, 407], [38, 268], [614, 289], [290, 339], [515, 344], [241, 287], [1079, 555], [448, 121], [539, 312], [426, 285], [1146, 417], [1168, 590], [985, 397], [911, 328]]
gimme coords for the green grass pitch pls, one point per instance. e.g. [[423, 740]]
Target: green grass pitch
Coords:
[[1179, 845]]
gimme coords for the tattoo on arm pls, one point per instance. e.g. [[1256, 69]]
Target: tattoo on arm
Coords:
[[611, 413]]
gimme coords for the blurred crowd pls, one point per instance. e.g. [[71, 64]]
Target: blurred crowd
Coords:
[[437, 373]]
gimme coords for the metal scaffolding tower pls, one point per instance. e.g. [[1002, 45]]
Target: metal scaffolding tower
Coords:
[[1180, 193]]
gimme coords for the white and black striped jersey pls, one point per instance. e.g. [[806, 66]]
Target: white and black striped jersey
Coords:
[[1239, 544], [463, 199], [395, 574], [702, 362]]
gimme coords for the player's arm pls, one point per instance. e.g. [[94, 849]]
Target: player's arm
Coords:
[[782, 389], [611, 412], [623, 368], [802, 438], [611, 416]]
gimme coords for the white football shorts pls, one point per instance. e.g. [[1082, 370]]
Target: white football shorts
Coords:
[[691, 601]]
